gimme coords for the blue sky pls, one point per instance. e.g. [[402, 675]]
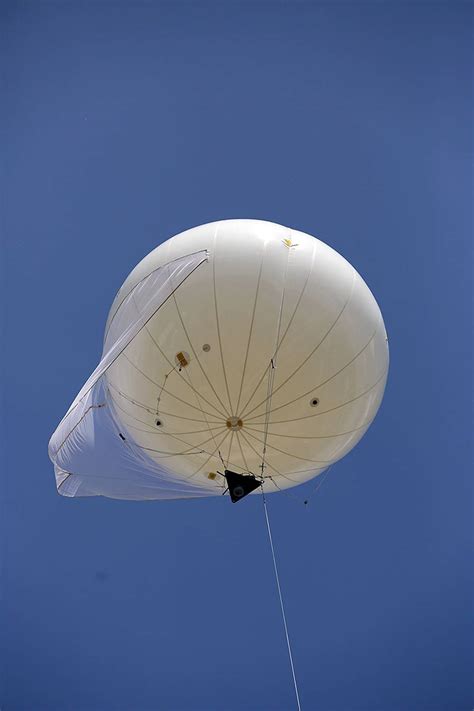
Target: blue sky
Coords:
[[125, 123]]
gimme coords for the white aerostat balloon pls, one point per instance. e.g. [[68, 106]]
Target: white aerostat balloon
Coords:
[[239, 345]]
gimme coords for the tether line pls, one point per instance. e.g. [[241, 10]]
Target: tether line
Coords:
[[281, 600]]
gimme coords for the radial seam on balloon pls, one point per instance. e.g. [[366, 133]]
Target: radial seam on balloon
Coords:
[[289, 454], [242, 453], [175, 369], [339, 434], [197, 357], [218, 326], [213, 454], [290, 402], [230, 446], [323, 412], [251, 330], [152, 411], [200, 407], [286, 330], [163, 389], [312, 352]]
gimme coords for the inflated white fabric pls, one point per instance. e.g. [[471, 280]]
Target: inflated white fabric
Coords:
[[92, 452], [238, 344]]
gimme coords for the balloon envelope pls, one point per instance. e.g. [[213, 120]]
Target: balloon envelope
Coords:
[[239, 344]]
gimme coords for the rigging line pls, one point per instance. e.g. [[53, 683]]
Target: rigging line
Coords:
[[282, 607], [161, 389], [153, 430], [230, 447], [147, 377], [167, 455], [129, 414], [271, 466], [250, 331], [190, 449], [286, 330], [217, 322], [288, 492], [189, 384], [312, 493], [323, 476], [290, 454], [314, 349], [152, 411], [271, 374], [210, 456], [162, 433], [242, 453], [323, 412], [277, 471], [313, 469], [325, 382], [167, 433], [197, 357], [222, 460], [271, 378], [201, 451], [330, 436], [191, 446]]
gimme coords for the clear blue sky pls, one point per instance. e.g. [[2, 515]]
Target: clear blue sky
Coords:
[[124, 123]]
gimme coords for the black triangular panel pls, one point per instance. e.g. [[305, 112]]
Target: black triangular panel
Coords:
[[240, 485]]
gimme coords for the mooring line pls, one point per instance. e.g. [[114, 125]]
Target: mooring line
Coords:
[[281, 600]]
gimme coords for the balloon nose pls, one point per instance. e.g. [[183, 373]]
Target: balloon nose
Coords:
[[234, 423]]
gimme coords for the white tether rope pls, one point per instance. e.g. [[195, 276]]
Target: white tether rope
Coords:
[[281, 601]]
